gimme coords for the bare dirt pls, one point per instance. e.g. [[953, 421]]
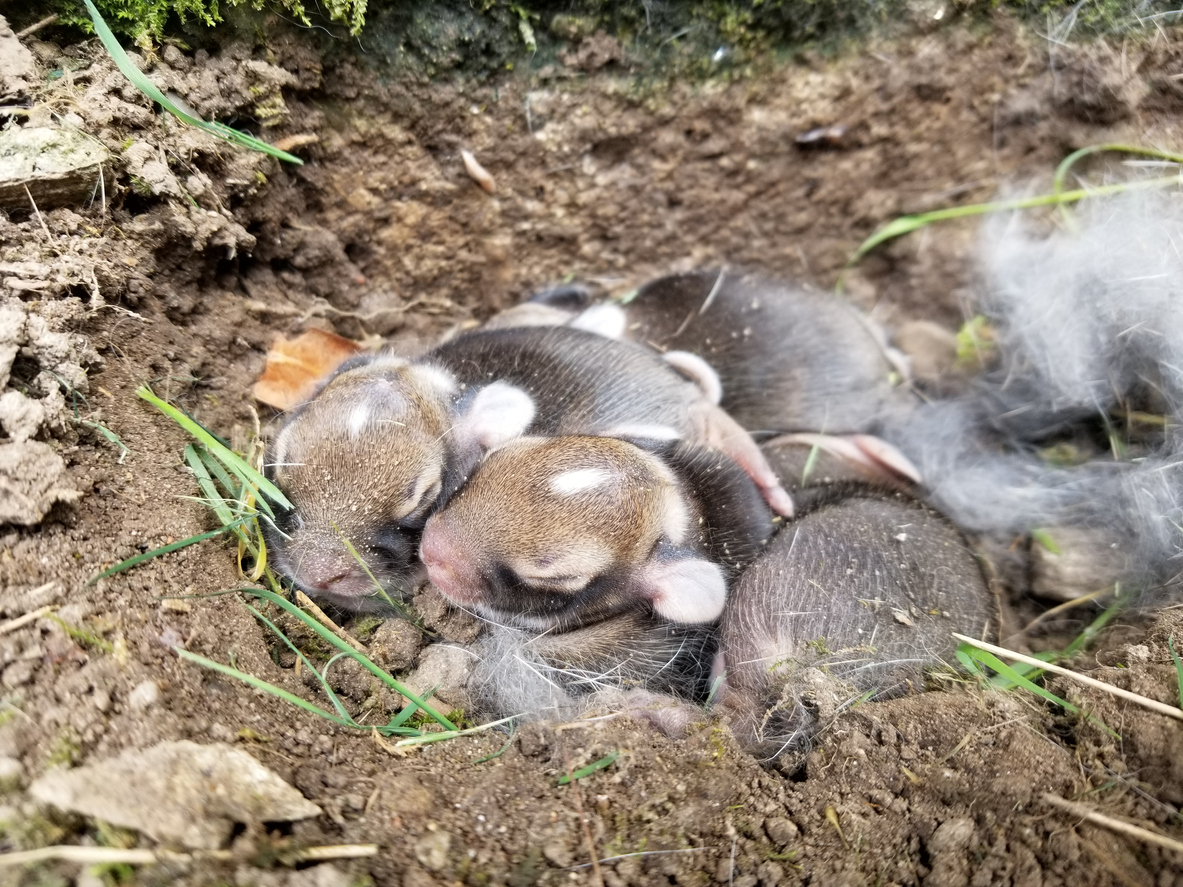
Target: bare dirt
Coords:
[[195, 255]]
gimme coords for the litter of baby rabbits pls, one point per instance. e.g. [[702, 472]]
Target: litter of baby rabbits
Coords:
[[623, 560]]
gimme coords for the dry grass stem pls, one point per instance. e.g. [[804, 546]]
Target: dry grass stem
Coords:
[[306, 603], [1067, 605], [21, 621], [120, 856], [84, 855], [36, 26], [1152, 704], [1117, 825], [337, 851]]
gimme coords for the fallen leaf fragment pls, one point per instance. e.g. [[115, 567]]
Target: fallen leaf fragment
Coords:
[[295, 367]]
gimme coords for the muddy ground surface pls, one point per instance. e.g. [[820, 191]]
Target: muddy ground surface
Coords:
[[195, 256]]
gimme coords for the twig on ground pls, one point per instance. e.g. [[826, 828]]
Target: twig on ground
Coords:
[[21, 621], [37, 213], [135, 856], [36, 26]]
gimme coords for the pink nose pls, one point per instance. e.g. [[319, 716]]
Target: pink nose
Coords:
[[339, 580], [446, 565], [324, 583]]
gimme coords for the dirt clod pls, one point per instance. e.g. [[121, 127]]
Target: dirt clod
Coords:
[[180, 793]]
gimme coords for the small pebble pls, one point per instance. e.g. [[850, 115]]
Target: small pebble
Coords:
[[143, 695], [432, 850], [781, 831], [18, 674]]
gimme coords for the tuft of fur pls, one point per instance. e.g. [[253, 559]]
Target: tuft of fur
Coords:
[[1090, 320], [1089, 328], [558, 675]]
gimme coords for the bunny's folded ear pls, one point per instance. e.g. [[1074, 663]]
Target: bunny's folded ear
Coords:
[[683, 588], [697, 371], [493, 416], [605, 320]]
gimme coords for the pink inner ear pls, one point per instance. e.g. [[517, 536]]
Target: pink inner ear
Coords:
[[685, 589], [498, 413]]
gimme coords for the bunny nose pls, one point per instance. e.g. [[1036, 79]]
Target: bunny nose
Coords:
[[334, 578], [447, 567]]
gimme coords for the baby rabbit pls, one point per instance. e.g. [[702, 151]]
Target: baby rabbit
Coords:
[[852, 600], [787, 359], [556, 533], [576, 549]]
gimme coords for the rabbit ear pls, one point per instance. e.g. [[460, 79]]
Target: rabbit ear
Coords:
[[495, 415], [697, 371], [683, 589], [605, 320]]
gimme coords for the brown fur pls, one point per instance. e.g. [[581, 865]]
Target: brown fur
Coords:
[[514, 517], [356, 482], [563, 532]]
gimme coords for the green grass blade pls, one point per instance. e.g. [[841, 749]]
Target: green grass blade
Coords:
[[408, 712], [1044, 538], [1178, 667], [260, 684], [379, 591], [213, 498], [591, 768], [967, 661], [394, 727], [236, 491], [333, 698], [906, 224], [810, 463], [895, 228], [105, 432], [1068, 162], [362, 660], [513, 731], [148, 88], [157, 552], [993, 662], [425, 738], [1030, 672], [716, 686], [223, 453], [218, 471], [1013, 675], [1094, 628]]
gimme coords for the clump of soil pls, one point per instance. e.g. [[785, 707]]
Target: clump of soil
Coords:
[[194, 256]]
